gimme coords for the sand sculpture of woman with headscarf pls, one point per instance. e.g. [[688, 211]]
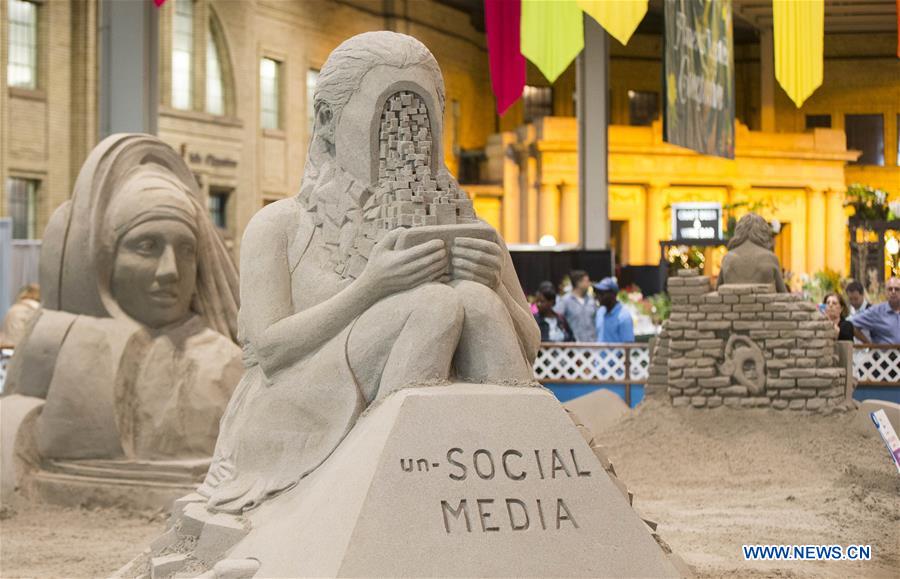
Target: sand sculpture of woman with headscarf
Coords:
[[338, 308], [134, 350], [750, 259]]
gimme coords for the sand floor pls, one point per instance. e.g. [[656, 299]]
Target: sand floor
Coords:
[[714, 480]]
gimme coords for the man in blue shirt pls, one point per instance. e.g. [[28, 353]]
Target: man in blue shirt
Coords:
[[881, 321], [614, 324]]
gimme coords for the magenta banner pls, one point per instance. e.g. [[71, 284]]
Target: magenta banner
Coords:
[[502, 22]]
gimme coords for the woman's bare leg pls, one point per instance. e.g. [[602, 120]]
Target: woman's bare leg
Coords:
[[406, 338], [489, 349]]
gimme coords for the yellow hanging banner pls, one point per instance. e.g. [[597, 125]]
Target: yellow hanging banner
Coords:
[[552, 34], [799, 34], [618, 17]]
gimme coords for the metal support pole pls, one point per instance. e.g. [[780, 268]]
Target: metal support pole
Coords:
[[592, 103], [129, 79]]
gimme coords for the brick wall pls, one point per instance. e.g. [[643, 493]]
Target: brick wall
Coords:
[[744, 346]]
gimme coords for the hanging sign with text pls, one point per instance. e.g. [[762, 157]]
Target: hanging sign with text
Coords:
[[696, 221], [699, 76]]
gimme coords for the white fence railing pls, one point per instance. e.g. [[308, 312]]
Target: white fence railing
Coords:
[[579, 363], [876, 364]]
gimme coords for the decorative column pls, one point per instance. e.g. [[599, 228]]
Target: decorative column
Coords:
[[658, 226], [816, 233], [530, 191], [512, 190], [569, 213], [548, 211], [836, 238]]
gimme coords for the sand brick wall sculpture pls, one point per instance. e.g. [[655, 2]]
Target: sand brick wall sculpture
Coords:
[[744, 346]]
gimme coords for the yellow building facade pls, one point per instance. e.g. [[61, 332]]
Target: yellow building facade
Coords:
[[795, 178], [784, 168]]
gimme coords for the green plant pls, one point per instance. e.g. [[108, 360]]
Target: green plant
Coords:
[[868, 203], [661, 307], [821, 283], [685, 257]]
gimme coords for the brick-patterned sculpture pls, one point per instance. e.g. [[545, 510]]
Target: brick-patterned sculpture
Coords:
[[748, 343], [134, 349]]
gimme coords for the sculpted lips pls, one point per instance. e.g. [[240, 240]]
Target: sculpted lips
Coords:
[[164, 296]]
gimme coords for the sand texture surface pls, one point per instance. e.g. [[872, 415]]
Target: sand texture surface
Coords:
[[718, 479], [49, 541], [714, 480]]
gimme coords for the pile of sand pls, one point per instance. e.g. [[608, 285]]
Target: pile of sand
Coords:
[[714, 480]]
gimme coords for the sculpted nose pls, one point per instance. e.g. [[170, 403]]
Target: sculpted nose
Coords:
[[167, 270]]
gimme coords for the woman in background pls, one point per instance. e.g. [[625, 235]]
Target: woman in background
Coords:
[[836, 312], [553, 326]]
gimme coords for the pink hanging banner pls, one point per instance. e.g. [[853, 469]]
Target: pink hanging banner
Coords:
[[159, 2], [502, 23]]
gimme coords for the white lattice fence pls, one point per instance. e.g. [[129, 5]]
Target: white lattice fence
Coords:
[[593, 363], [877, 365]]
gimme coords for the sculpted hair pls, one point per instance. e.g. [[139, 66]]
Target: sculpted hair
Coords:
[[345, 68], [754, 229]]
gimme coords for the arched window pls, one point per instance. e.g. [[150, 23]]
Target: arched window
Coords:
[[217, 78], [183, 55]]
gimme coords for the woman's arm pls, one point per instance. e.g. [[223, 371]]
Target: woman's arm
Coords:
[[489, 263], [280, 336]]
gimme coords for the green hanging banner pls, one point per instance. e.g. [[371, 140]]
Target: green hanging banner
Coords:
[[699, 76]]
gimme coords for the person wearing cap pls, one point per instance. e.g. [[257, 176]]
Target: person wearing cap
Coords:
[[613, 322]]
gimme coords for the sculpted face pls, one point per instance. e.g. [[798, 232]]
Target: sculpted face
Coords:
[[155, 272], [357, 130]]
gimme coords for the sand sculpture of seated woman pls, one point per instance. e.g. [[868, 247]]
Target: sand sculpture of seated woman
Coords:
[[338, 308], [750, 259], [134, 350]]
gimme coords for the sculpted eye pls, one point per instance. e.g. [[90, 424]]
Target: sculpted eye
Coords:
[[146, 246], [187, 249]]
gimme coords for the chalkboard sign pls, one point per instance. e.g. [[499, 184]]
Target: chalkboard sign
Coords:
[[696, 221]]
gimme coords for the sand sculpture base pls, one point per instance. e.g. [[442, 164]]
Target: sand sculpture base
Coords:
[[130, 484], [451, 481]]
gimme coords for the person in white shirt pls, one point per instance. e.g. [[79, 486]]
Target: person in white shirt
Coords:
[[579, 309], [856, 295], [553, 326]]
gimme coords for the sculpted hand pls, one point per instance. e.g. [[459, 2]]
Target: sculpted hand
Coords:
[[390, 270], [477, 260]]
